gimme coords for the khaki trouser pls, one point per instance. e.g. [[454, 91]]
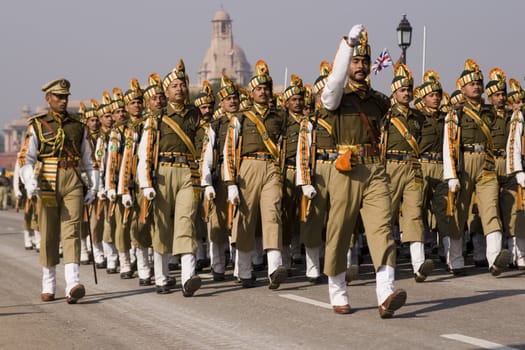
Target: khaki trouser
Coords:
[[109, 224], [485, 186], [175, 208], [219, 214], [30, 216], [260, 195], [122, 229], [290, 207], [435, 191], [363, 189], [97, 225], [140, 238], [3, 197], [62, 223], [513, 221], [312, 230], [406, 191]]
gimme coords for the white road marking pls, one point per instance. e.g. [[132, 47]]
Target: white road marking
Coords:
[[205, 275], [484, 344], [306, 300]]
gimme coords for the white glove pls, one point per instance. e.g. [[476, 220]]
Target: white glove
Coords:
[[112, 195], [149, 193], [18, 194], [233, 194], [32, 188], [520, 178], [209, 192], [355, 34], [89, 197], [453, 185], [127, 201], [101, 195], [309, 191]]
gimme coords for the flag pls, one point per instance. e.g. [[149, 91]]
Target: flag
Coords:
[[383, 61]]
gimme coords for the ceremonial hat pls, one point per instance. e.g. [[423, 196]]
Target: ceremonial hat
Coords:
[[154, 86], [295, 88], [320, 82], [402, 77], [308, 96], [105, 104], [262, 76], [418, 100], [497, 81], [244, 98], [516, 93], [57, 87], [227, 88], [470, 73], [92, 110], [118, 99], [362, 48], [205, 95], [430, 83], [445, 103], [82, 112], [178, 72], [279, 100], [134, 91]]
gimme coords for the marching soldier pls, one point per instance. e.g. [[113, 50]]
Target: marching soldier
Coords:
[[401, 150], [104, 112], [251, 170], [516, 180], [60, 142], [359, 182], [154, 97], [166, 172], [139, 237], [468, 161]]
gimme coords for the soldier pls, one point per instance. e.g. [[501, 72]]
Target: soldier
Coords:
[[400, 142], [228, 97], [431, 156], [104, 111], [254, 163], [468, 161], [359, 182], [154, 97], [166, 154], [137, 237], [60, 142], [516, 177], [293, 98], [4, 189]]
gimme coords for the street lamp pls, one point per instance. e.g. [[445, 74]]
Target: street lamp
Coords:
[[404, 36]]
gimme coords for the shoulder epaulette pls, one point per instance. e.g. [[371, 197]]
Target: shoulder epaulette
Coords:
[[36, 116]]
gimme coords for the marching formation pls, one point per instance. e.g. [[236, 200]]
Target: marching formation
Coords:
[[139, 180]]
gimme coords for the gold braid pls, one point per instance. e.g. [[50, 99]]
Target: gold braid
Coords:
[[56, 141]]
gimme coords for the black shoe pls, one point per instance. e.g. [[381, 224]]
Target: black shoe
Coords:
[[218, 276], [145, 282], [258, 267], [29, 248], [500, 263], [248, 282], [191, 286], [163, 289], [461, 272], [111, 270], [173, 266], [298, 260], [85, 262], [171, 282], [277, 277], [424, 270], [126, 275], [315, 280], [101, 265], [201, 264], [481, 263]]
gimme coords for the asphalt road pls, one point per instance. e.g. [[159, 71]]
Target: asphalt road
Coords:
[[473, 312]]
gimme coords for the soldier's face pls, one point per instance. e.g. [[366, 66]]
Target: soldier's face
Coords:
[[177, 91], [206, 110], [403, 95], [106, 120], [92, 124], [230, 103], [119, 115], [359, 68], [498, 99], [57, 102], [135, 107], [472, 90], [156, 102], [261, 94], [295, 104], [432, 100]]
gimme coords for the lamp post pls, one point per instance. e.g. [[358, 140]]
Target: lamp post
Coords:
[[404, 36]]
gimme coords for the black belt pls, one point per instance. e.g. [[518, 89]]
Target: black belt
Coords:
[[432, 156], [173, 159], [500, 153], [473, 148], [398, 156], [67, 164], [290, 162], [326, 156], [258, 156]]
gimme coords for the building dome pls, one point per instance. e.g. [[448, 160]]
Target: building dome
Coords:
[[221, 15]]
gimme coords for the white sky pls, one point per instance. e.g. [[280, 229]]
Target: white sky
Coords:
[[99, 44]]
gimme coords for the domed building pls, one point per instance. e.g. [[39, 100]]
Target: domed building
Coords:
[[224, 56]]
